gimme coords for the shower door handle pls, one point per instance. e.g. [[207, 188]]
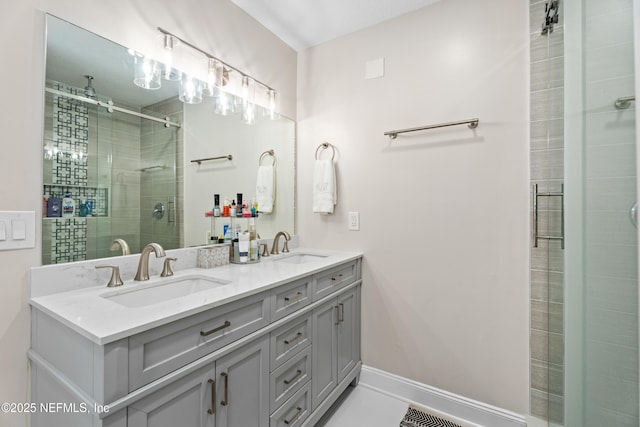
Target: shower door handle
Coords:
[[536, 235]]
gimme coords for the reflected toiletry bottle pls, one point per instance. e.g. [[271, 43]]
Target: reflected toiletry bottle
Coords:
[[68, 205], [226, 208], [54, 207], [216, 205], [240, 205], [83, 208]]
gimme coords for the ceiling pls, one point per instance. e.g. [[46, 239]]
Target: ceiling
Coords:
[[305, 23]]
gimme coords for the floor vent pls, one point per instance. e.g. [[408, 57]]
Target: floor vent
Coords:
[[420, 418]]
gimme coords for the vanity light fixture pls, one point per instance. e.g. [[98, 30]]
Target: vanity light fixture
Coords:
[[217, 76]]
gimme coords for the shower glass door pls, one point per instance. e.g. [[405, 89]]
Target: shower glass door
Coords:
[[602, 244]]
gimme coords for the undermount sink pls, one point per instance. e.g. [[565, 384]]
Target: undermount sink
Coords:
[[301, 258], [162, 290]]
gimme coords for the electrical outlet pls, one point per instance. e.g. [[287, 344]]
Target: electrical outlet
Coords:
[[354, 221]]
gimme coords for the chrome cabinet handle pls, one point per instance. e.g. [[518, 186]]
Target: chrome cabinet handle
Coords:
[[226, 324], [340, 313], [297, 297], [212, 410], [225, 401], [296, 338], [295, 417], [292, 379], [337, 308]]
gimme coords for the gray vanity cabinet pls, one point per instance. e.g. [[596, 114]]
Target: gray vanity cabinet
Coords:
[[230, 392], [279, 357], [336, 343]]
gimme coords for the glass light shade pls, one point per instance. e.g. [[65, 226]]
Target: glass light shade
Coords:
[[248, 100], [212, 77], [222, 103], [190, 90], [147, 73], [273, 104], [169, 54]]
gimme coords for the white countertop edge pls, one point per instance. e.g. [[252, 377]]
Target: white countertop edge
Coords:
[[73, 308]]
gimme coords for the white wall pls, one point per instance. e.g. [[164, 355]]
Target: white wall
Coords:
[[444, 213], [215, 25]]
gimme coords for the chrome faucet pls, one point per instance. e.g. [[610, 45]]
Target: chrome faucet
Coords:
[[285, 248], [122, 245], [143, 264]]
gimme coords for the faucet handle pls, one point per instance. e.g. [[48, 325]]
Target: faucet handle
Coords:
[[166, 270], [265, 250], [115, 279]]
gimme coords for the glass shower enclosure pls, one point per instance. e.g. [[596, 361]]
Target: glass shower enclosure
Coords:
[[584, 256]]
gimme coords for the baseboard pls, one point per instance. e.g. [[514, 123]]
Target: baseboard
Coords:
[[465, 410]]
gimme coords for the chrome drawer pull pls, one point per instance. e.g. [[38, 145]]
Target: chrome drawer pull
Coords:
[[295, 417], [336, 278], [212, 410], [225, 402], [297, 297], [219, 328], [295, 377], [340, 313], [296, 338]]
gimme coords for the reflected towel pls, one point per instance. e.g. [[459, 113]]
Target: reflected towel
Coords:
[[325, 195], [265, 188]]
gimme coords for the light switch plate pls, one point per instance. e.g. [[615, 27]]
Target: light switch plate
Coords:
[[354, 221], [20, 230]]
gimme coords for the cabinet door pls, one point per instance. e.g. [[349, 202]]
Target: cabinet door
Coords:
[[243, 386], [348, 326], [185, 402], [324, 357]]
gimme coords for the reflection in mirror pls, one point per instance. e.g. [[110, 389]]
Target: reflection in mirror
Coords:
[[117, 158]]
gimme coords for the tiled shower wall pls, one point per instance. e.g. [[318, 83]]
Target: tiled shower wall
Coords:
[[547, 259]]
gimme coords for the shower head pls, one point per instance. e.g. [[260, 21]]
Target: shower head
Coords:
[[89, 91]]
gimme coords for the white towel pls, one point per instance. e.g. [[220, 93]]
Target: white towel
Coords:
[[325, 194], [265, 188]]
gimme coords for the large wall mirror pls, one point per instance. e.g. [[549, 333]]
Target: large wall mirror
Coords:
[[132, 179]]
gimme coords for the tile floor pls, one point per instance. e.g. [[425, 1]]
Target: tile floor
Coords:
[[363, 406]]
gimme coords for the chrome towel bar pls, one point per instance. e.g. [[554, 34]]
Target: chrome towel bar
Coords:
[[199, 161], [472, 123]]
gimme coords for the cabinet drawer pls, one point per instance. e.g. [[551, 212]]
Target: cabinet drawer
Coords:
[[295, 411], [289, 298], [157, 352], [289, 340], [332, 280], [289, 378]]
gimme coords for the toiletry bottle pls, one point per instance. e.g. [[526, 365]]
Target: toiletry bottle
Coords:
[[54, 207], [227, 233], [83, 208], [253, 250], [226, 208], [232, 211], [216, 205], [255, 208], [68, 206], [239, 207], [243, 247]]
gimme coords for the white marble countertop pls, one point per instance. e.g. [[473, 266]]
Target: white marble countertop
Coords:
[[102, 321]]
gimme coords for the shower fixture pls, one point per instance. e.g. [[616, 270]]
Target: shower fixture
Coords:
[[551, 16], [89, 91]]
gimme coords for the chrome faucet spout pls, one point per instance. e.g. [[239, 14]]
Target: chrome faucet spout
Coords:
[[143, 264], [276, 240]]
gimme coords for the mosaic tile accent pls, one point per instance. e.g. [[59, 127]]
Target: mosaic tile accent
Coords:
[[213, 256], [68, 240]]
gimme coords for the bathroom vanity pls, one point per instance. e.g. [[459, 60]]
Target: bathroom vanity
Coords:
[[268, 344]]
